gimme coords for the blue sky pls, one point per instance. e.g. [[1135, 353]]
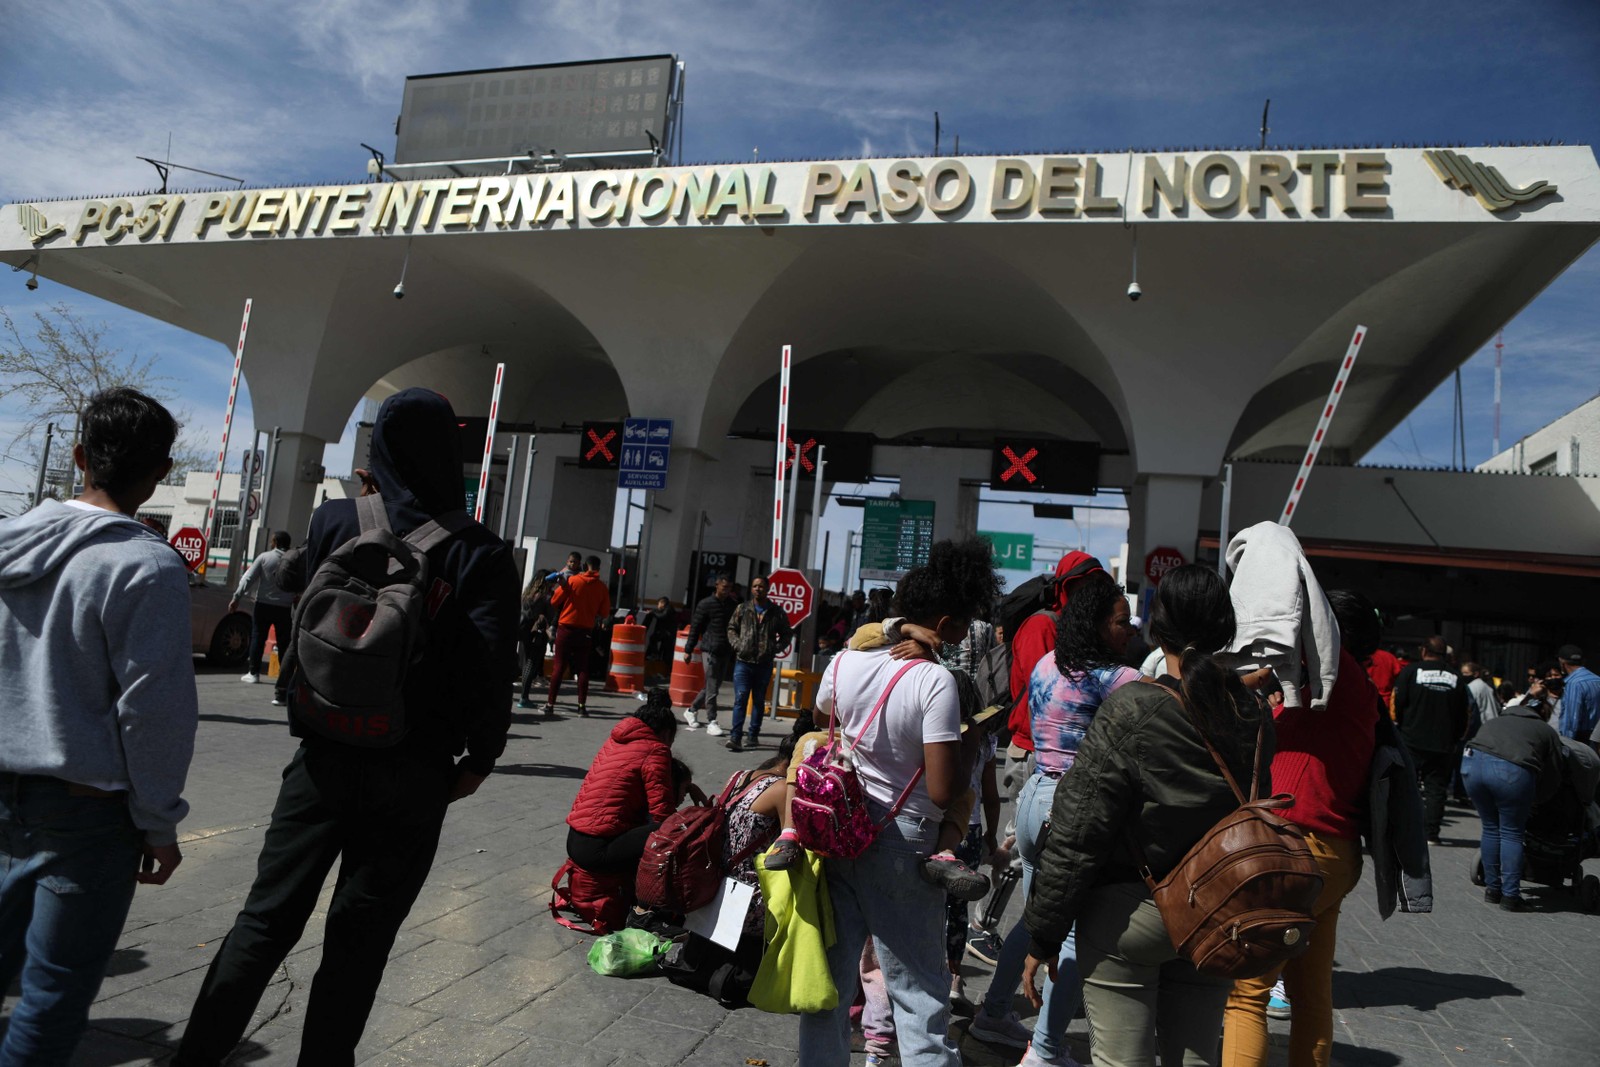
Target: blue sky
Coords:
[[285, 92]]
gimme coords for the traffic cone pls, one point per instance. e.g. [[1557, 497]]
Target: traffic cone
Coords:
[[272, 643]]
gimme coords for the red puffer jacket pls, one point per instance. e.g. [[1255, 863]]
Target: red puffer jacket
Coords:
[[629, 783]]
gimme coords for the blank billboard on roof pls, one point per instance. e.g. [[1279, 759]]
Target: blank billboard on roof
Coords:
[[572, 109]]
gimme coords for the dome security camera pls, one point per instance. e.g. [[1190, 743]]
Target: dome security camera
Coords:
[[1134, 292], [32, 283], [400, 291]]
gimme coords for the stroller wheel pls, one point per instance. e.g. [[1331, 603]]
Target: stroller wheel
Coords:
[[1477, 871], [1589, 894]]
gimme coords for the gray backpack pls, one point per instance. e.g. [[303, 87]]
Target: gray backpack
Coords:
[[360, 625]]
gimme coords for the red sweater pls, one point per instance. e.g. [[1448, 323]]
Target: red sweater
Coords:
[[1323, 755], [1035, 639], [629, 783]]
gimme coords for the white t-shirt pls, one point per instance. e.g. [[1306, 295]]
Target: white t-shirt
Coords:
[[923, 709]]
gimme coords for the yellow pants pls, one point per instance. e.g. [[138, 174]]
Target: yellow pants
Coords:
[[1308, 978]]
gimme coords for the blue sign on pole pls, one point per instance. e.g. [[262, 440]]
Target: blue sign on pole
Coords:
[[646, 446]]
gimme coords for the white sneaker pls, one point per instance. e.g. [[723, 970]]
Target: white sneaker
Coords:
[[713, 729], [691, 719], [1033, 1059], [1007, 1029], [248, 679]]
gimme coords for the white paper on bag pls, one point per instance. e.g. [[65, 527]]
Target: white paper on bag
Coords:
[[722, 920]]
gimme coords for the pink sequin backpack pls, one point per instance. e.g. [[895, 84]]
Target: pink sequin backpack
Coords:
[[830, 806]]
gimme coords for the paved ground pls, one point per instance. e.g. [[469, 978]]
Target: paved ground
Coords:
[[480, 974]]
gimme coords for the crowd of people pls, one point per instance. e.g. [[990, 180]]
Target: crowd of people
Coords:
[[938, 703]]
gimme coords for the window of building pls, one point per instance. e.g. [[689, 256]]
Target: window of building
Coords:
[[1546, 465]]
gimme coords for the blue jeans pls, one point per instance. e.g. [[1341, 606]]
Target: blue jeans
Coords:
[[1061, 999], [750, 682], [881, 894], [1503, 794], [67, 866]]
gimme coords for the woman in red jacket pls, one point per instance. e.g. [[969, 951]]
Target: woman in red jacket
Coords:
[[627, 792], [1322, 759]]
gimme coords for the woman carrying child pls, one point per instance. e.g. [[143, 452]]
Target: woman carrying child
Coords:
[[916, 742]]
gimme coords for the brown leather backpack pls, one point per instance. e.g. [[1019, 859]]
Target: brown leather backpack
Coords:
[[1240, 902]]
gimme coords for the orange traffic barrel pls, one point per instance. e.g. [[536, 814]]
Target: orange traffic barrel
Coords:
[[627, 657], [688, 677]]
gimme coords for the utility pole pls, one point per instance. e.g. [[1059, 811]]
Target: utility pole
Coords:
[[1499, 346]]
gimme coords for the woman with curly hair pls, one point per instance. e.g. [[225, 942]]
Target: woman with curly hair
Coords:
[[1065, 690], [912, 746]]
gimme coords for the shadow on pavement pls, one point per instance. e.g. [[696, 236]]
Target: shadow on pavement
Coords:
[[1415, 988], [125, 961], [540, 770], [1351, 1056]]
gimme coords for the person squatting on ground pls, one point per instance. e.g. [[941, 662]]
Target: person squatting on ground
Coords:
[[628, 791], [1513, 763], [1322, 759], [708, 633], [1430, 708], [98, 713], [1066, 689], [758, 632], [1142, 791], [581, 602], [272, 607], [915, 739], [378, 812]]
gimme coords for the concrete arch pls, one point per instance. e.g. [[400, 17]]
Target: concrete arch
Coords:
[[888, 298]]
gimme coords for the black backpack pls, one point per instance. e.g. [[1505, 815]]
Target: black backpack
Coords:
[[1022, 603], [360, 625]]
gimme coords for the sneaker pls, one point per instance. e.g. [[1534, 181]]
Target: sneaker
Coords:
[[524, 704], [549, 711], [782, 855], [955, 877], [985, 945], [713, 730], [1008, 1029], [960, 1003], [1491, 896], [583, 712], [1278, 1003], [1435, 839], [732, 744], [694, 724], [249, 679], [752, 741], [278, 701], [690, 719], [1513, 904], [1031, 1058], [879, 1059]]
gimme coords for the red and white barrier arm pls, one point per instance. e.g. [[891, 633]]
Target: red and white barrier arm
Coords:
[[488, 443], [1323, 422], [227, 425], [783, 455]]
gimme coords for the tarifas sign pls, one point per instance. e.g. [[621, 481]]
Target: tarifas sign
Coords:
[[1271, 185]]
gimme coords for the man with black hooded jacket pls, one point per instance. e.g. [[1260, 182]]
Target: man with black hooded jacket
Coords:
[[378, 811]]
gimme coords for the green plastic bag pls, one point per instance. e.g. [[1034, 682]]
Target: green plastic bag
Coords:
[[627, 952]]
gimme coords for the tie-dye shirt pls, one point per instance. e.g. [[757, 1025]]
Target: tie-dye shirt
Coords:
[[1061, 707]]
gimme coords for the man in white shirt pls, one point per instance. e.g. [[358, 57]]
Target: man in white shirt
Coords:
[[913, 762]]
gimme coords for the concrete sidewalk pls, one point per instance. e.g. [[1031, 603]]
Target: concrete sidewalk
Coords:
[[481, 974]]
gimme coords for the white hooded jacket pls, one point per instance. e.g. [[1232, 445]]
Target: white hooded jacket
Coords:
[[1283, 615]]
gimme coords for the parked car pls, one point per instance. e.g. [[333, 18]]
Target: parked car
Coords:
[[223, 635]]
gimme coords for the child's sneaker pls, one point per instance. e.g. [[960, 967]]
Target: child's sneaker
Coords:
[[954, 877], [1278, 1003], [985, 945], [783, 854], [1007, 1029]]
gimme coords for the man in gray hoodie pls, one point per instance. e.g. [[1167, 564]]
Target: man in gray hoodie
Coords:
[[97, 713]]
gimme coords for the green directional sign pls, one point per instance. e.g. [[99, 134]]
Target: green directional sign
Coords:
[[1012, 551]]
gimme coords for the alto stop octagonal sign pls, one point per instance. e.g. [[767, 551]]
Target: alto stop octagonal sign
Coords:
[[789, 589]]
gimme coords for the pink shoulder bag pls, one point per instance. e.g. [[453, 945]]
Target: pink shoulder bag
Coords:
[[830, 806]]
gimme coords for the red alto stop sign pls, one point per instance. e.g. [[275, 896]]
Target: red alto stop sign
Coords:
[[790, 591], [191, 545], [1160, 561]]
